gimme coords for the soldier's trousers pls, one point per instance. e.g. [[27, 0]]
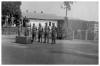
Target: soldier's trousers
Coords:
[[46, 38], [53, 38], [40, 37], [33, 36]]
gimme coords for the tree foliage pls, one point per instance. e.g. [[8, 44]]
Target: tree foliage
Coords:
[[67, 30], [11, 8], [67, 4]]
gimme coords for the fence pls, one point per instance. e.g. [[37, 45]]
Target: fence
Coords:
[[78, 34], [11, 30], [85, 35]]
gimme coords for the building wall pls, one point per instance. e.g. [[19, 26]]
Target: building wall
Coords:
[[42, 22], [96, 27], [80, 29]]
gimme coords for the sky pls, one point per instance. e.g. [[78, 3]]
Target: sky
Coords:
[[79, 10]]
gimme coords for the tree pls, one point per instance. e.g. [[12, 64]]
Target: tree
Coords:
[[67, 6], [12, 9]]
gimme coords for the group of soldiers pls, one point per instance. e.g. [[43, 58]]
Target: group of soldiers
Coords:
[[44, 33]]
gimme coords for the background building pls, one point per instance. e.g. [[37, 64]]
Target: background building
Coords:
[[42, 18], [79, 29]]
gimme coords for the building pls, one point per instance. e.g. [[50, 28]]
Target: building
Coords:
[[82, 29], [85, 30], [42, 18]]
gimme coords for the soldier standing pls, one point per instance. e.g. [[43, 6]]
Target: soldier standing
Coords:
[[53, 33], [19, 27], [40, 32], [46, 33], [34, 29]]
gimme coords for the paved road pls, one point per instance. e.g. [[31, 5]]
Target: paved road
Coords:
[[64, 52]]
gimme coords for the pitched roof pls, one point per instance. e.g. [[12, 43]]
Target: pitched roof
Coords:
[[42, 16]]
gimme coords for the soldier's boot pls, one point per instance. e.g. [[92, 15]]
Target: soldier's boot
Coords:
[[41, 39], [35, 38], [38, 39], [47, 40], [52, 41], [31, 40], [44, 39]]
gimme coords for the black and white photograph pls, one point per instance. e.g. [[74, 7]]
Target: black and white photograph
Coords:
[[50, 32]]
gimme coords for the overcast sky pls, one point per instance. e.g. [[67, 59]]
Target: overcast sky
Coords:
[[80, 10]]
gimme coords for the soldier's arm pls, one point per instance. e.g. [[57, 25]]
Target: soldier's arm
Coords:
[[36, 28], [42, 29], [49, 28], [56, 30]]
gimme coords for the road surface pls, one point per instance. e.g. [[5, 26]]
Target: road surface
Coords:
[[64, 52]]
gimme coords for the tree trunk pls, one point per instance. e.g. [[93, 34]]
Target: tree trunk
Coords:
[[65, 27]]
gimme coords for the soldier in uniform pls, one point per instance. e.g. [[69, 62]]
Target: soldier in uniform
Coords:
[[19, 27], [34, 29], [46, 33], [53, 33], [27, 29], [40, 32]]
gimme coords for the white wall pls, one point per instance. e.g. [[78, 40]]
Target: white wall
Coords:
[[42, 22]]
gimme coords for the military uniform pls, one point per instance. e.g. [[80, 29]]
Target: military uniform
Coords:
[[40, 32], [34, 29], [53, 34], [46, 34], [19, 28]]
